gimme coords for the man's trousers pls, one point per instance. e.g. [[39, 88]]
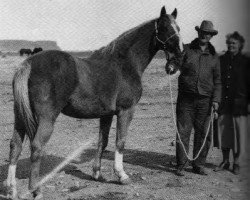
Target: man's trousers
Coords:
[[193, 112]]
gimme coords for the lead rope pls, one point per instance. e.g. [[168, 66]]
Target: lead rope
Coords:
[[178, 134]]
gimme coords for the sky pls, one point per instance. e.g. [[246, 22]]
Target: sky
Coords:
[[79, 25]]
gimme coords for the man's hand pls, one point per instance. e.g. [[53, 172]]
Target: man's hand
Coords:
[[215, 106], [170, 69]]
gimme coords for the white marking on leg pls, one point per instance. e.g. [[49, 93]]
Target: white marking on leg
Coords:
[[119, 166], [11, 181]]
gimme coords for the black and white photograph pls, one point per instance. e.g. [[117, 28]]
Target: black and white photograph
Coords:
[[124, 100]]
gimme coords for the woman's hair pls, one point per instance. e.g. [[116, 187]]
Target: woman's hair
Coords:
[[235, 35]]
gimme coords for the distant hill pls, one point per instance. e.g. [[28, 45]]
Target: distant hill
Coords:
[[16, 45]]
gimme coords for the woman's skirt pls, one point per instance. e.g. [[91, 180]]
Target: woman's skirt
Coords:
[[231, 133]]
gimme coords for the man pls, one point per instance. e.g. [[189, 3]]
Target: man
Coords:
[[199, 90]]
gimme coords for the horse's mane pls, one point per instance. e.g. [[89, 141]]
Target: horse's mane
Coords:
[[124, 41]]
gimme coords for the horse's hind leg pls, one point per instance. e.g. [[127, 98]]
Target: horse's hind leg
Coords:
[[44, 131], [105, 124], [107, 121], [15, 150], [123, 121]]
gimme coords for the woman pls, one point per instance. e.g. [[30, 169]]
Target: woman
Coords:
[[232, 122]]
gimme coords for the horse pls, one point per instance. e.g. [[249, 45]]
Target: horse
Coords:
[[25, 51], [36, 50], [105, 84]]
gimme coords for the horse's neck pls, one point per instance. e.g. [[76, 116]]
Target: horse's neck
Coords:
[[141, 54], [134, 46]]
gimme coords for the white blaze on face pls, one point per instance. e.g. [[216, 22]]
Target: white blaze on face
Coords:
[[173, 24]]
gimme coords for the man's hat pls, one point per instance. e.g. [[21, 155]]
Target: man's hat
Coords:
[[207, 26]]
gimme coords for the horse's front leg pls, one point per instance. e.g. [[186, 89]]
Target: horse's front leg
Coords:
[[123, 121], [105, 124]]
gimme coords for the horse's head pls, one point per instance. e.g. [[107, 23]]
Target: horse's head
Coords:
[[167, 34]]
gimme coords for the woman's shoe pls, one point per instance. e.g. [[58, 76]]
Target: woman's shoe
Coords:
[[223, 166], [236, 169]]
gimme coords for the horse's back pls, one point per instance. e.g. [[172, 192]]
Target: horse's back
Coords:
[[53, 78], [52, 61]]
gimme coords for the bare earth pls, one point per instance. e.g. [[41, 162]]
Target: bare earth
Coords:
[[148, 157]]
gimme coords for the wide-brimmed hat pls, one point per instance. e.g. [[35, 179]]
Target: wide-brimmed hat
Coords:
[[207, 26]]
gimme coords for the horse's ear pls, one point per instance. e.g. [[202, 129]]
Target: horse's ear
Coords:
[[163, 11], [174, 13]]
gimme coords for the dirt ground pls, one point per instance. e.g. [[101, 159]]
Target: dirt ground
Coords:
[[148, 157]]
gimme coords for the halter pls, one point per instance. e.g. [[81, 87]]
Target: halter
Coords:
[[159, 40]]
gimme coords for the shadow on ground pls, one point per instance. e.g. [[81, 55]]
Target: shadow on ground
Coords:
[[150, 160], [49, 162], [146, 159]]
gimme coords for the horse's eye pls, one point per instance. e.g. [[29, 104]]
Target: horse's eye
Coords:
[[163, 23]]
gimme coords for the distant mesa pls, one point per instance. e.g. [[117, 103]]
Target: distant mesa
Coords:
[[16, 45]]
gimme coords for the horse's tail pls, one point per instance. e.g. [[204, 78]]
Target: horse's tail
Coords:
[[22, 107]]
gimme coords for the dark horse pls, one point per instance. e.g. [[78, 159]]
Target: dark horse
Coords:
[[36, 50], [105, 84], [25, 51]]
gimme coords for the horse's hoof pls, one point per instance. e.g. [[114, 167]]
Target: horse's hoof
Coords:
[[39, 197], [10, 196], [98, 177], [31, 196], [26, 196], [126, 181], [11, 192]]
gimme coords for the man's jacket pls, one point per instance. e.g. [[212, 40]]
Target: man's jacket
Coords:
[[200, 71]]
